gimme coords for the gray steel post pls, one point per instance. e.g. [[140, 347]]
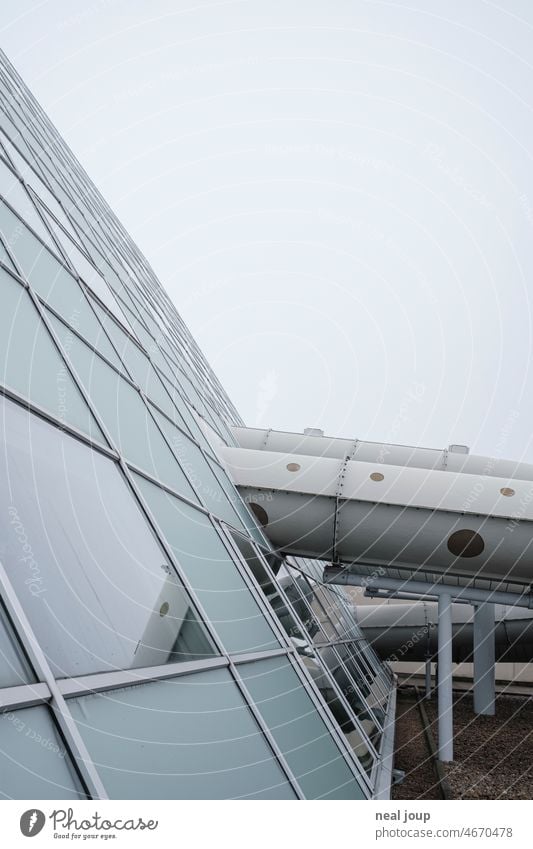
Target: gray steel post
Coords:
[[428, 678], [484, 664], [445, 680]]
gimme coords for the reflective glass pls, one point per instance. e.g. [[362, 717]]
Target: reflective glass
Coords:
[[213, 575], [192, 425], [238, 504], [55, 284], [5, 258], [127, 417], [18, 161], [300, 732], [14, 668], [199, 472], [270, 590], [191, 737], [138, 366], [94, 583], [355, 693], [34, 763], [10, 130], [89, 274], [351, 727], [16, 195], [31, 363], [83, 320]]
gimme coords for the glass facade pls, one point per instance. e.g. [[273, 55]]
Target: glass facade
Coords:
[[152, 644]]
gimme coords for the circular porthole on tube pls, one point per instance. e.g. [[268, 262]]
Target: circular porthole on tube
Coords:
[[377, 476], [260, 513], [507, 491], [163, 610], [293, 467], [465, 543]]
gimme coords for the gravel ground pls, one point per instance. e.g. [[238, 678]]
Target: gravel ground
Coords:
[[411, 753], [493, 754]]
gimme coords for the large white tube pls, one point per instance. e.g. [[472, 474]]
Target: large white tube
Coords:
[[406, 632], [351, 502]]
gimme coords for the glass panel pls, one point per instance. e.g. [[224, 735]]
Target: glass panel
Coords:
[[16, 195], [347, 722], [191, 737], [50, 203], [14, 668], [11, 130], [126, 416], [270, 588], [83, 320], [139, 367], [373, 698], [214, 577], [18, 161], [299, 731], [233, 496], [188, 417], [32, 365], [194, 463], [89, 274], [54, 283], [5, 258], [349, 679], [88, 571], [34, 763], [355, 693]]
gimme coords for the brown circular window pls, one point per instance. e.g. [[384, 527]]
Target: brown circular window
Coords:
[[506, 490], [163, 610], [260, 513], [293, 467], [465, 543], [377, 476]]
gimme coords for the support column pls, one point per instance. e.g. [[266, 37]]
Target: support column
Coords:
[[445, 680], [484, 668], [428, 678]]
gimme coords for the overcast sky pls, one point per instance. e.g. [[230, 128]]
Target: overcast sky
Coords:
[[338, 196]]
